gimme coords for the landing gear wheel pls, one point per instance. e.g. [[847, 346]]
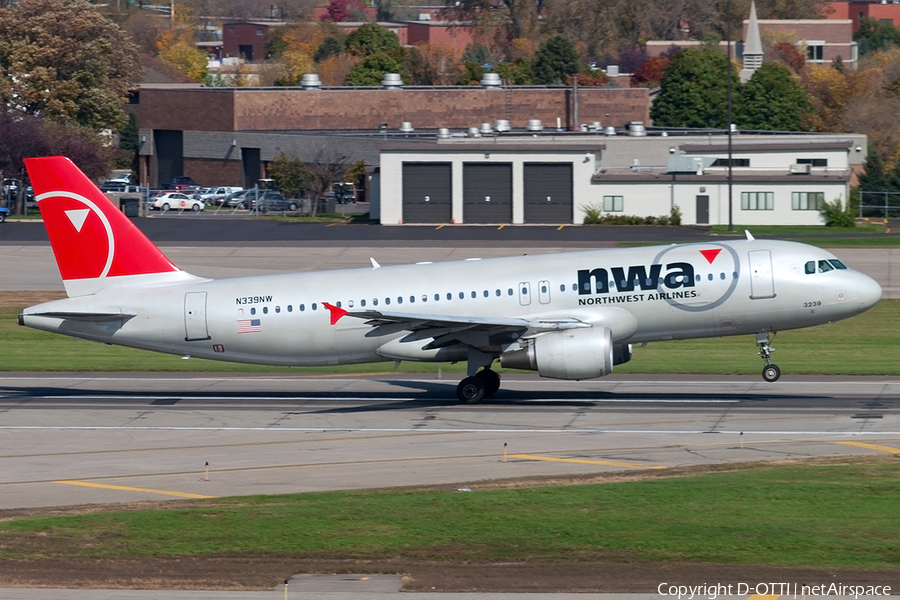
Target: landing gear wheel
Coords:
[[491, 381], [771, 373], [470, 390]]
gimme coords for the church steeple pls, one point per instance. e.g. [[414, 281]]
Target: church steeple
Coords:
[[753, 51]]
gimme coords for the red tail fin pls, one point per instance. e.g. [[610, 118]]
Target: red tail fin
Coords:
[[92, 240]]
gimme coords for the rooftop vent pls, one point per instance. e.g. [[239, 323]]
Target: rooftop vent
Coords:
[[502, 125], [612, 70], [595, 126], [443, 133], [474, 133], [534, 125], [392, 81], [609, 130], [310, 81], [490, 81], [485, 129], [637, 129], [406, 127]]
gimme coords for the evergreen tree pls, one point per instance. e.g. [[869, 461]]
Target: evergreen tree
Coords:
[[694, 90], [371, 39], [773, 100], [555, 60], [875, 178], [371, 71]]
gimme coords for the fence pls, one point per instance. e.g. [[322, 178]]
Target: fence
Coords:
[[879, 204]]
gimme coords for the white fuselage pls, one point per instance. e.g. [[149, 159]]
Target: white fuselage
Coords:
[[641, 294]]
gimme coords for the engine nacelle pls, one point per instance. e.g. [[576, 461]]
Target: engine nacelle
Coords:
[[582, 353]]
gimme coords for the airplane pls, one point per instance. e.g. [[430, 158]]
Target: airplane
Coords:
[[571, 315]]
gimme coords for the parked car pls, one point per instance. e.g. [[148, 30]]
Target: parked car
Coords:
[[181, 183], [269, 200], [235, 200], [217, 195], [175, 201], [125, 178], [3, 212]]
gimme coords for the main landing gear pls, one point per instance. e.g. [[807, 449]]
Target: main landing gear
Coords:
[[483, 384], [770, 372]]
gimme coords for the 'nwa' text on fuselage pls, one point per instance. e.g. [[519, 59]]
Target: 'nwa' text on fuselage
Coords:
[[678, 274]]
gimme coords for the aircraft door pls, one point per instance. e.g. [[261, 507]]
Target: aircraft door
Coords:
[[544, 292], [762, 283], [195, 317], [525, 293]]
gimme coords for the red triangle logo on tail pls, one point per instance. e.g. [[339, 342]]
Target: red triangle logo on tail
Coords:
[[710, 255]]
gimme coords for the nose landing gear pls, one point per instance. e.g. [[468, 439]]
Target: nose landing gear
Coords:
[[770, 372]]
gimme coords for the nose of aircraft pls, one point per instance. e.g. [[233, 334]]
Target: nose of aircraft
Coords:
[[869, 292]]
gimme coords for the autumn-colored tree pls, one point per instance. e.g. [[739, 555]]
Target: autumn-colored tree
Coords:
[[334, 70], [592, 79], [65, 61], [344, 10], [650, 74], [431, 64], [787, 54], [183, 56]]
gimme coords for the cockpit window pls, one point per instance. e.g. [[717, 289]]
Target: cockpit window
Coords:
[[825, 266], [837, 264], [811, 267]]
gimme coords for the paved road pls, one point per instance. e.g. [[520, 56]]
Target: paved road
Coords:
[[81, 439]]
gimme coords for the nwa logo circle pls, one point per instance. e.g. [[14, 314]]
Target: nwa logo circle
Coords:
[[713, 290], [81, 234]]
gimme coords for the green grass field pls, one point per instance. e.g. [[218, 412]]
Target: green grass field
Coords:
[[833, 516], [863, 345]]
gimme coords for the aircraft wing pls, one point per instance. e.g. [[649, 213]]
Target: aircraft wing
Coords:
[[444, 330]]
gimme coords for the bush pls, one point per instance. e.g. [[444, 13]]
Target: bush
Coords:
[[593, 215], [835, 215]]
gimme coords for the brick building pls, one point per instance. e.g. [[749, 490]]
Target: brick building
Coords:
[[858, 9], [225, 136]]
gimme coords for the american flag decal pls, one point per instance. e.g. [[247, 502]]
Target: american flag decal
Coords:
[[248, 326]]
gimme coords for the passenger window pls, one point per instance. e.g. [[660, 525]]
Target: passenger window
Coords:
[[387, 300], [338, 303], [424, 298], [412, 299], [437, 297], [253, 311], [562, 287], [474, 295], [399, 299], [374, 301], [486, 294], [722, 276], [265, 310], [543, 289], [290, 308], [837, 264], [350, 304], [810, 267], [449, 296], [497, 293], [461, 295], [277, 309], [509, 292], [824, 266], [574, 287], [362, 303], [314, 306], [302, 307], [708, 277]]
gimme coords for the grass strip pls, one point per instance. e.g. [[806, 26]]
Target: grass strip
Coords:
[[837, 515], [863, 345]]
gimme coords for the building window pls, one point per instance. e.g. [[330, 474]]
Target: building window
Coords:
[[815, 51], [815, 162], [613, 203], [807, 200], [259, 32], [757, 200], [735, 162]]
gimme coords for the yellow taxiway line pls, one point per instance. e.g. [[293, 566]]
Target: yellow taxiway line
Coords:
[[872, 447], [763, 597], [133, 489], [611, 463]]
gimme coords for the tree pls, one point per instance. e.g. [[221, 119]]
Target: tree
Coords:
[[773, 100], [63, 60], [874, 35], [327, 166], [290, 174], [555, 60], [519, 19], [431, 64], [694, 90], [344, 10], [787, 54], [371, 39], [372, 70], [186, 58], [328, 48], [650, 74]]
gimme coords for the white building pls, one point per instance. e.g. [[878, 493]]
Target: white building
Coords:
[[552, 179]]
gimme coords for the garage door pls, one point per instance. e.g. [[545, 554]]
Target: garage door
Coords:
[[427, 193], [548, 192], [487, 193]]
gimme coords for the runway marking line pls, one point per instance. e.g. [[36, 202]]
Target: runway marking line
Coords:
[[871, 447], [611, 463], [133, 489]]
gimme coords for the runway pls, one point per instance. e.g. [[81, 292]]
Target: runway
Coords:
[[83, 439]]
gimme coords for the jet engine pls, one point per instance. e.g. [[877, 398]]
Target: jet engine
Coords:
[[582, 353]]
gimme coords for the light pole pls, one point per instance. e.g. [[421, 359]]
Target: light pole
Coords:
[[728, 124]]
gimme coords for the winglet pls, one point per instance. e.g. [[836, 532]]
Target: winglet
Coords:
[[336, 312], [375, 264], [750, 237]]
